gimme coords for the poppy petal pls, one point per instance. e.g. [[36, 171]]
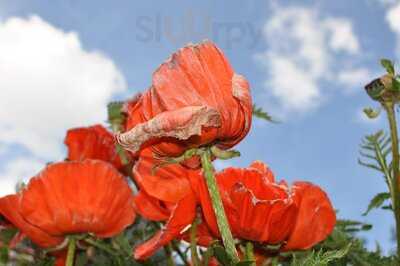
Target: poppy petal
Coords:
[[316, 217], [93, 142], [150, 208], [75, 197], [9, 208], [168, 183]]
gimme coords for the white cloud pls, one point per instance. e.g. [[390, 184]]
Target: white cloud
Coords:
[[302, 52], [354, 79], [50, 83], [393, 19], [17, 170], [342, 37]]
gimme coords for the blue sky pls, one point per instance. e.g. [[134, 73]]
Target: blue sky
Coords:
[[307, 62]]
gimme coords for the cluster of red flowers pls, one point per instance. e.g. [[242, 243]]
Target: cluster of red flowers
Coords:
[[196, 100]]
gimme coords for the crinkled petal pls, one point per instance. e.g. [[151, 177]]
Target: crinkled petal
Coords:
[[181, 124], [316, 217]]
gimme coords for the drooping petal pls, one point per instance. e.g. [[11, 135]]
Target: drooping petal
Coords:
[[181, 217], [316, 217], [10, 208], [167, 183], [150, 208]]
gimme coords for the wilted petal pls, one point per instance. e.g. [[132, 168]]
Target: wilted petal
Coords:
[[180, 124]]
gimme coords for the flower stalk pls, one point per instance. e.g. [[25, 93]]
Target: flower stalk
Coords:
[[389, 108], [193, 243], [219, 211], [71, 252]]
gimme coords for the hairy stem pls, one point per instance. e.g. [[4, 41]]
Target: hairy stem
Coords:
[[193, 243], [249, 254], [219, 212], [71, 252], [389, 107]]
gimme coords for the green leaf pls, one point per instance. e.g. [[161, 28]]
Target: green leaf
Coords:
[[377, 201], [116, 117], [396, 83], [372, 113], [321, 258], [7, 234], [260, 113], [350, 226], [388, 65], [3, 255], [221, 255]]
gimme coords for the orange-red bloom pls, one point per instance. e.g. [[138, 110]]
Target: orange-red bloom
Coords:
[[93, 142], [195, 99], [258, 209], [261, 210], [70, 198]]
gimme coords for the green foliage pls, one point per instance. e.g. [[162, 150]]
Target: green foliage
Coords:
[[372, 113], [320, 258], [396, 83], [388, 65], [260, 113], [375, 148], [341, 248], [3, 255], [377, 201], [350, 226]]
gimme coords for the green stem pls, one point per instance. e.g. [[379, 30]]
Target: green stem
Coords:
[[389, 107], [168, 253], [219, 211], [101, 246], [249, 254], [193, 244], [71, 252]]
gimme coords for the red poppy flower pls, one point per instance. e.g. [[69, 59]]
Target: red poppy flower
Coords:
[[71, 198], [93, 142], [260, 210], [195, 99]]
